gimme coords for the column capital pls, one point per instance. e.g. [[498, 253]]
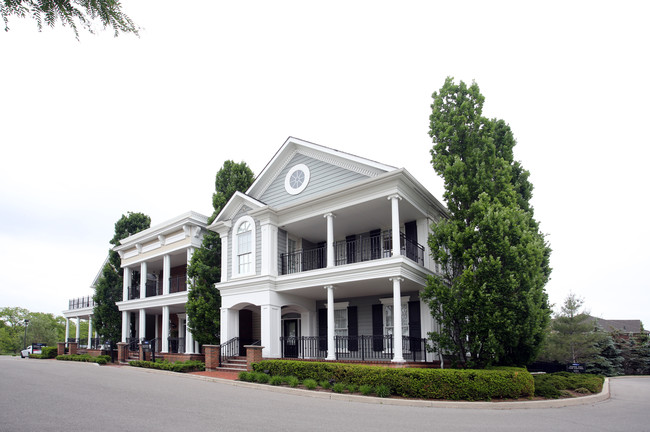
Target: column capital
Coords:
[[328, 215], [390, 197], [396, 278], [329, 286]]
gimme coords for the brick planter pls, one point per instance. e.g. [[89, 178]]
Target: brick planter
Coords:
[[212, 353], [253, 355]]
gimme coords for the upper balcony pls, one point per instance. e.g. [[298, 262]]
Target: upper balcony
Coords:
[[81, 303], [154, 287], [355, 249]]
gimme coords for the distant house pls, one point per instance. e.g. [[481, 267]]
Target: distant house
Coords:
[[323, 257], [625, 328]]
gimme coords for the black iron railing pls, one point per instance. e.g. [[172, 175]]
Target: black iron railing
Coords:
[[95, 343], [411, 249], [134, 290], [363, 347], [177, 284], [153, 289], [133, 344], [304, 260], [363, 248], [81, 302], [176, 345], [228, 350]]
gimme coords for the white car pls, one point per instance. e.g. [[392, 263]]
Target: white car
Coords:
[[31, 350]]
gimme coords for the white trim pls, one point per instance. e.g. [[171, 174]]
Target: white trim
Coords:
[[235, 247], [389, 301]]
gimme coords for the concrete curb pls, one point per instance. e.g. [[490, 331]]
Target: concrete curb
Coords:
[[524, 404]]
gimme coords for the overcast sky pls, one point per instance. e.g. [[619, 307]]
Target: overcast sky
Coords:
[[94, 128]]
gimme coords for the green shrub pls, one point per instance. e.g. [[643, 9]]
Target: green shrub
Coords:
[[366, 389], [179, 366], [325, 384], [49, 352], [293, 381], [276, 380], [559, 381], [244, 376], [352, 388], [418, 383], [338, 387], [309, 383], [382, 390], [262, 378], [83, 358]]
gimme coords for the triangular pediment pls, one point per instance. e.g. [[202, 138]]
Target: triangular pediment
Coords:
[[321, 168], [238, 202]]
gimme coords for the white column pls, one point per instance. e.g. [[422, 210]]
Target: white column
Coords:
[[394, 202], [182, 330], [126, 283], [224, 258], [229, 324], [125, 325], [269, 255], [67, 329], [330, 239], [90, 331], [271, 318], [167, 259], [189, 337], [142, 324], [331, 343], [188, 282], [165, 329], [423, 225], [77, 330], [143, 279], [397, 320]]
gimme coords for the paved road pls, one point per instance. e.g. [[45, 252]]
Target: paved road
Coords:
[[69, 396]]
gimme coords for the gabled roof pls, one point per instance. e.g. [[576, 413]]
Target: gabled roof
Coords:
[[234, 204], [99, 273], [293, 145], [621, 326]]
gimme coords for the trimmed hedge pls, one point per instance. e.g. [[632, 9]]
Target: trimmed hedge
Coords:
[[551, 385], [101, 360], [452, 384], [179, 366]]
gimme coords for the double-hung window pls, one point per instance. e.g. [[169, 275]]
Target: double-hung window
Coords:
[[244, 248]]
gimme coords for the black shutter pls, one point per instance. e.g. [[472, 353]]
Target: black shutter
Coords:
[[411, 234], [415, 330], [353, 329], [351, 248], [375, 244], [377, 328], [322, 329]]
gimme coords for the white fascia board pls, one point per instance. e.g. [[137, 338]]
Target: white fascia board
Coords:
[[172, 225], [99, 273], [78, 313], [295, 145], [233, 205], [174, 299]]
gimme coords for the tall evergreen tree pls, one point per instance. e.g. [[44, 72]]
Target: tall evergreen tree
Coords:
[[203, 299], [106, 315], [490, 299]]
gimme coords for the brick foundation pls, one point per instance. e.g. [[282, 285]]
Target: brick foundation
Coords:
[[60, 348], [253, 355], [212, 353]]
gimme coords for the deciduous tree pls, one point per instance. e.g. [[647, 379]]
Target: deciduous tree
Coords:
[[490, 299], [203, 299], [72, 13]]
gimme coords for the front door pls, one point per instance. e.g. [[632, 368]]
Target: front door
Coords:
[[290, 333]]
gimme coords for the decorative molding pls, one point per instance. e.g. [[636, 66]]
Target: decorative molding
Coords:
[[161, 239], [138, 247]]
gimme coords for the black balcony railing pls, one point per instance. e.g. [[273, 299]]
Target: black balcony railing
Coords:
[[153, 289], [134, 291], [363, 248], [363, 348], [177, 284], [81, 302], [304, 260], [176, 345]]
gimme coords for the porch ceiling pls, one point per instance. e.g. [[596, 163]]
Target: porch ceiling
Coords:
[[373, 287], [360, 218]]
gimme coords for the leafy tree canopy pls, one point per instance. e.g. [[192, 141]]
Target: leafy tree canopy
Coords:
[[203, 300], [73, 13], [490, 298], [107, 317]]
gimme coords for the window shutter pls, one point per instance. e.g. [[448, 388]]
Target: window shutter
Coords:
[[415, 330], [322, 329], [377, 328], [353, 329]]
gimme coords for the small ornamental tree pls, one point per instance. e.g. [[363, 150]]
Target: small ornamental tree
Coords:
[[203, 299], [106, 315], [490, 299]]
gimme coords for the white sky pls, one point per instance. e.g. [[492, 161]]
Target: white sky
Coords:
[[90, 130]]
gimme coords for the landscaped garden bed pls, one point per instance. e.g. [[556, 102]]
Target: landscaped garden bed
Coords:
[[178, 366]]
